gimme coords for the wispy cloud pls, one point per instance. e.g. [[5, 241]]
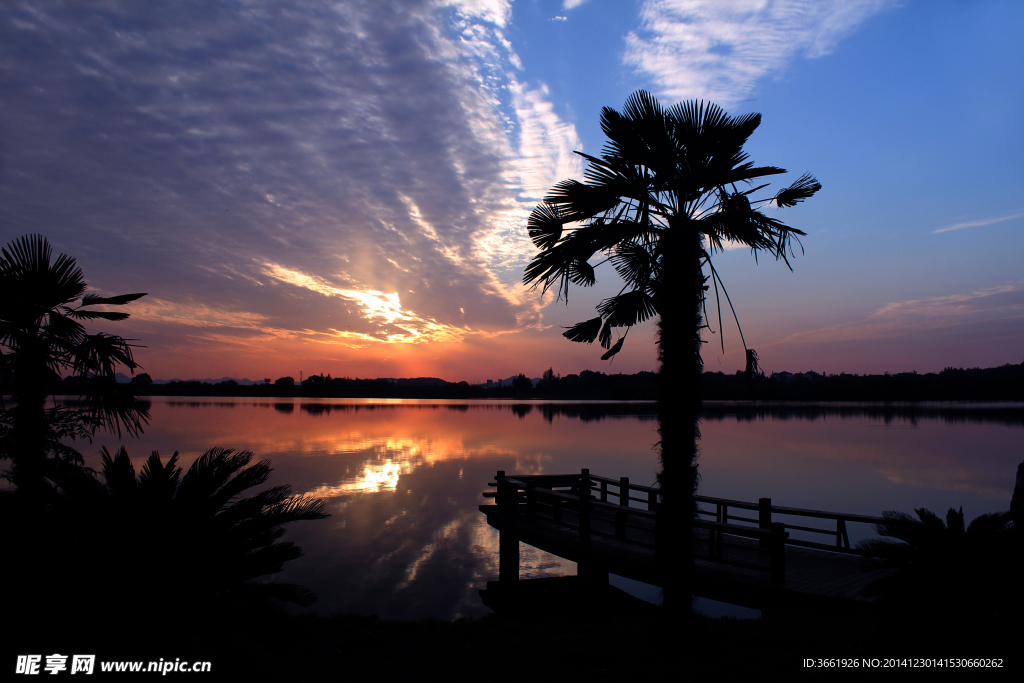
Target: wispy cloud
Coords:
[[922, 315], [384, 150], [383, 312], [572, 4], [718, 50], [976, 224]]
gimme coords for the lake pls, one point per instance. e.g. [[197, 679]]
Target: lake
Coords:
[[402, 479]]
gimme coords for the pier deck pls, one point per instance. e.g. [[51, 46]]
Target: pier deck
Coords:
[[751, 561]]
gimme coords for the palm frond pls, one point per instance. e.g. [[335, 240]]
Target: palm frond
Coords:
[[578, 201], [804, 187], [627, 309], [585, 331], [604, 337], [635, 263], [118, 473], [120, 299], [545, 226], [159, 481], [95, 315], [614, 350]]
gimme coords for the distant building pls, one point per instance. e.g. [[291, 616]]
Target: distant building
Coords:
[[782, 376], [811, 375]]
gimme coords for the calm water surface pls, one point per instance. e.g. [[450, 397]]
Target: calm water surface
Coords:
[[403, 479]]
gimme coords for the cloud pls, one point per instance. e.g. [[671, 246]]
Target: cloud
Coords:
[[383, 311], [386, 151], [559, 18], [976, 224], [718, 50], [1005, 302], [572, 4]]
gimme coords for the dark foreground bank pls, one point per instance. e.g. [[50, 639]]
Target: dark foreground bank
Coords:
[[549, 647]]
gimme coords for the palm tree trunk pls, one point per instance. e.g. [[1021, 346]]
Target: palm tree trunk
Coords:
[[679, 345], [28, 431]]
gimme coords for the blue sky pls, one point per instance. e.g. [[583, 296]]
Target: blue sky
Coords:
[[342, 187]]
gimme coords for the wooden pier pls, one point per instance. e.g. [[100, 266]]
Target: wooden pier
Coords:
[[754, 560]]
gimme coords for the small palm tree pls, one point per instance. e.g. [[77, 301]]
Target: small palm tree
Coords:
[[949, 568], [41, 339], [155, 550], [198, 528], [929, 543], [658, 203]]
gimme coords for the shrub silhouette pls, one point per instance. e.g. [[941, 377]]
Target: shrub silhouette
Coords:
[[949, 569], [154, 548]]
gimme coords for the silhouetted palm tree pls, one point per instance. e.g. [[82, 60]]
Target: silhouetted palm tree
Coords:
[[949, 568], [160, 549], [42, 338], [658, 203], [927, 542], [209, 541]]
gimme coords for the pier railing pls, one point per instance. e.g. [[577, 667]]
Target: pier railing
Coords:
[[581, 502], [723, 508], [617, 509]]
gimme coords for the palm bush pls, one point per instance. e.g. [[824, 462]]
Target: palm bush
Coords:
[[198, 527], [152, 549], [946, 567]]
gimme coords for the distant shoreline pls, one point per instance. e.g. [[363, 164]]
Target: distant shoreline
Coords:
[[1004, 383]]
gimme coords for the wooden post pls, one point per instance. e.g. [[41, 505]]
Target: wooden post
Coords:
[[620, 516], [841, 534], [500, 489], [652, 500], [508, 557], [777, 555], [604, 491], [725, 520], [585, 506], [764, 517]]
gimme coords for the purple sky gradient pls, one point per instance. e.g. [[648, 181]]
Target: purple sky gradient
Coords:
[[343, 187]]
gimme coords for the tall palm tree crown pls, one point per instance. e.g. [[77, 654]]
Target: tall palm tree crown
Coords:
[[42, 338], [665, 177]]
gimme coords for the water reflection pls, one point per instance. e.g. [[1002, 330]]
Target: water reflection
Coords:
[[1008, 413], [403, 479]]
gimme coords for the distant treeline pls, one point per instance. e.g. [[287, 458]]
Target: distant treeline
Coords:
[[1004, 383], [585, 386]]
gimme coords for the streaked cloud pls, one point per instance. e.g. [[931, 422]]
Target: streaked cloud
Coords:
[[344, 173], [1005, 302], [572, 4], [719, 49], [977, 223], [383, 311]]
